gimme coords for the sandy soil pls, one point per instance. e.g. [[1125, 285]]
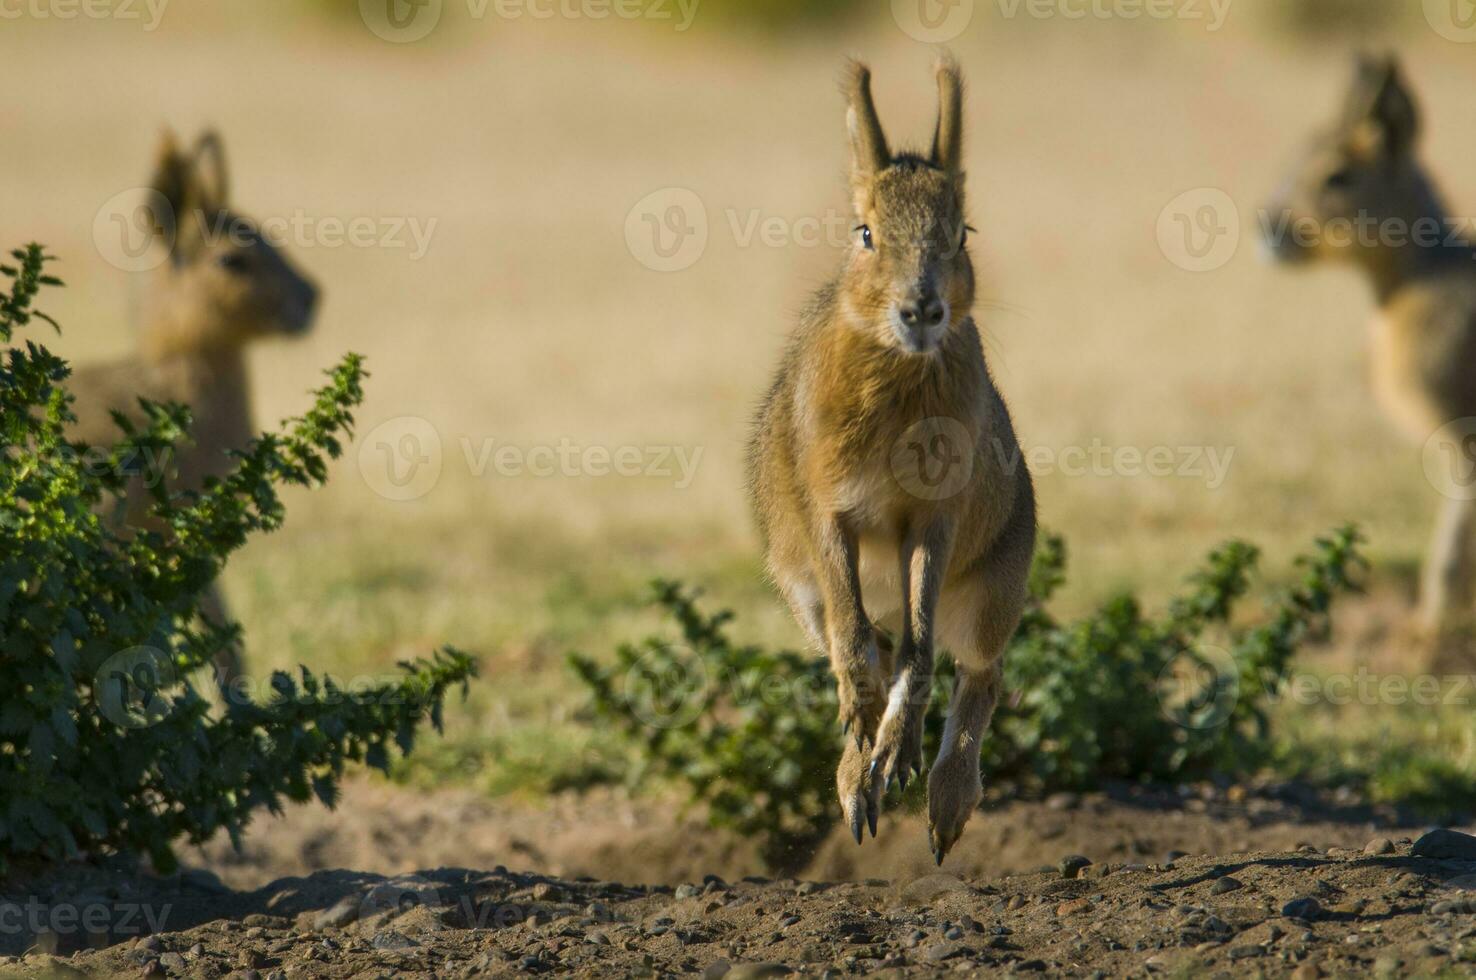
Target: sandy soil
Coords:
[[1384, 906], [1152, 899]]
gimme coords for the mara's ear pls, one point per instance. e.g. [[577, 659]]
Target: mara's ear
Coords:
[[171, 181], [948, 135], [869, 152], [210, 173], [1381, 116]]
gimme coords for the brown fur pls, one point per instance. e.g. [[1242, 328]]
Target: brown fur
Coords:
[[222, 287], [1366, 166], [852, 539]]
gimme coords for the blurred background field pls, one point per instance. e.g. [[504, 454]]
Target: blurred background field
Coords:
[[524, 145]]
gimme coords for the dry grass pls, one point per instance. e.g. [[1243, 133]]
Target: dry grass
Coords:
[[529, 322]]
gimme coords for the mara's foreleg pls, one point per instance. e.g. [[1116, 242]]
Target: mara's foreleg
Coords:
[[924, 562], [853, 777], [1445, 579], [849, 635]]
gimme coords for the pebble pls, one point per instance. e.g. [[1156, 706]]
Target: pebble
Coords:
[[1072, 865], [340, 914], [1073, 907], [1445, 844], [1379, 845], [1306, 907], [717, 970], [1246, 952], [939, 952], [173, 962], [1226, 885], [688, 891], [756, 971], [788, 921]]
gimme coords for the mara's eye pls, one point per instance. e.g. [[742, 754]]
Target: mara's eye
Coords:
[[233, 262], [1339, 179], [866, 240]]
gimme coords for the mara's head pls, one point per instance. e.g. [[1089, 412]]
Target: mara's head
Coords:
[[908, 275], [1358, 188], [224, 283]]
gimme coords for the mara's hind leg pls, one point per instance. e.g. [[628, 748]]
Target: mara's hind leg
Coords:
[[1445, 580], [978, 618]]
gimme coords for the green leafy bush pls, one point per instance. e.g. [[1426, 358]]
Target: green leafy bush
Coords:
[[104, 742], [1117, 695]]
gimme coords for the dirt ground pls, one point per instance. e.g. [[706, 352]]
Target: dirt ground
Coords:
[[1178, 884]]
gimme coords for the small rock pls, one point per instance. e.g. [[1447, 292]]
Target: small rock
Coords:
[[1379, 845], [953, 932], [598, 938], [391, 939], [1445, 908], [1072, 864], [1307, 971], [939, 952], [340, 914], [1306, 908], [198, 949], [1174, 856], [153, 969], [545, 892], [1073, 907], [1062, 801], [1246, 952], [1015, 903], [173, 962], [152, 943], [717, 970], [788, 921], [1445, 844], [756, 971], [688, 891], [808, 888], [1226, 885]]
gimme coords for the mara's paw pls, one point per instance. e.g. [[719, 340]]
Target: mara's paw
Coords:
[[860, 695], [954, 792], [898, 755], [852, 782]]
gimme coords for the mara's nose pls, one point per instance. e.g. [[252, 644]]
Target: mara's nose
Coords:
[[925, 312]]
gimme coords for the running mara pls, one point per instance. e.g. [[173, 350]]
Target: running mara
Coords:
[[879, 472]]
